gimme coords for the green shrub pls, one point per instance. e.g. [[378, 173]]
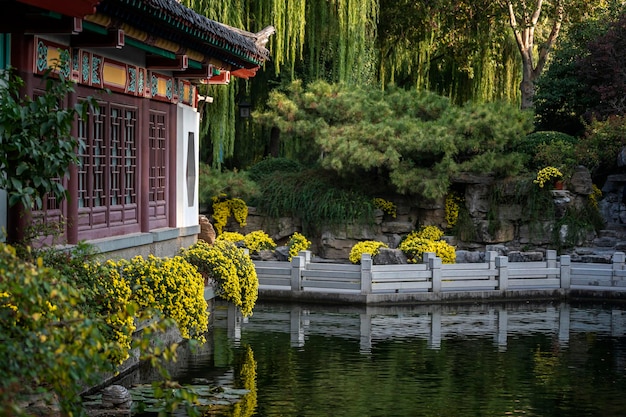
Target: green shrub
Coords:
[[47, 344], [368, 246], [548, 148], [316, 196], [106, 294], [232, 184], [270, 166], [602, 142]]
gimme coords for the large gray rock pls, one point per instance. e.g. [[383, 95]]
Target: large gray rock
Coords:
[[264, 255], [621, 157], [580, 182], [400, 228], [116, 396], [466, 256], [517, 256], [477, 199], [505, 232], [388, 256], [282, 253]]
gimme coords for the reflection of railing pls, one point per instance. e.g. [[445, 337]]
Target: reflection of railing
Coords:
[[433, 323], [432, 280]]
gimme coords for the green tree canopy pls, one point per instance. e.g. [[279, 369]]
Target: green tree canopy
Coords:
[[416, 140]]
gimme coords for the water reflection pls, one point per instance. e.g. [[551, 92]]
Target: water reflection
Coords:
[[432, 322], [526, 359]]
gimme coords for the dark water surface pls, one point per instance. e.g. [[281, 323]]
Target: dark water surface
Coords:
[[474, 360]]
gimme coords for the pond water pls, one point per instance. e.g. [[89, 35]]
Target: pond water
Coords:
[[522, 359]]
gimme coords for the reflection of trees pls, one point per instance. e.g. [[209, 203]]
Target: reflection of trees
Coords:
[[245, 369], [535, 374]]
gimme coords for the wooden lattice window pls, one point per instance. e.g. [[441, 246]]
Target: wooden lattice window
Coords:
[[157, 138], [107, 174]]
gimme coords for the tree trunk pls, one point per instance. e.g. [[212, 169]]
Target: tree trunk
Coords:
[[527, 86], [18, 220], [525, 39], [274, 148]]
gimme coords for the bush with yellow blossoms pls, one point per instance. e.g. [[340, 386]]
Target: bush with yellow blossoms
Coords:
[[231, 237], [367, 246], [427, 232], [387, 207], [107, 294], [224, 208], [428, 239], [49, 337], [172, 286], [452, 209], [297, 243], [595, 196], [547, 175], [258, 240], [230, 268]]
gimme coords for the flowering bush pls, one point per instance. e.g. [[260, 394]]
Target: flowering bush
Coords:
[[231, 237], [427, 239], [258, 240], [223, 209], [230, 268], [595, 195], [297, 243], [386, 206], [239, 210], [427, 232], [414, 248], [48, 337], [546, 175], [106, 294], [172, 286], [368, 246], [221, 212], [452, 209]]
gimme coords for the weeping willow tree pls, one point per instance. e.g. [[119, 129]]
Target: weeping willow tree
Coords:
[[462, 49], [335, 38]]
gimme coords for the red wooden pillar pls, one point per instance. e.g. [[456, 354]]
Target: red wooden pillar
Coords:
[[171, 165], [72, 187], [143, 165]]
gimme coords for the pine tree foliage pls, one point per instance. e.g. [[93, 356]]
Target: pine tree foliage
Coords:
[[417, 140]]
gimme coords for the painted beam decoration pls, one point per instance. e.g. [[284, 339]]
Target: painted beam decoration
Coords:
[[94, 70]]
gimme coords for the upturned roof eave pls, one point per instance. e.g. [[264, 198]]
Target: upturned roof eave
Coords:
[[177, 23]]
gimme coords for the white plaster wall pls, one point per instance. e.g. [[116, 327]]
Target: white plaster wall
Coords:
[[188, 121]]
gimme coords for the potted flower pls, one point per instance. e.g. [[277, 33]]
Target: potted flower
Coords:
[[549, 175]]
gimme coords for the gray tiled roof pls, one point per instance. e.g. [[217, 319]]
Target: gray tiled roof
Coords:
[[177, 23]]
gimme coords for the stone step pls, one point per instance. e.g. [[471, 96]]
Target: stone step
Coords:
[[605, 242], [614, 229]]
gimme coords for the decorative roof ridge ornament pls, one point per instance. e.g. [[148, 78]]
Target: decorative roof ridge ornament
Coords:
[[260, 38]]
